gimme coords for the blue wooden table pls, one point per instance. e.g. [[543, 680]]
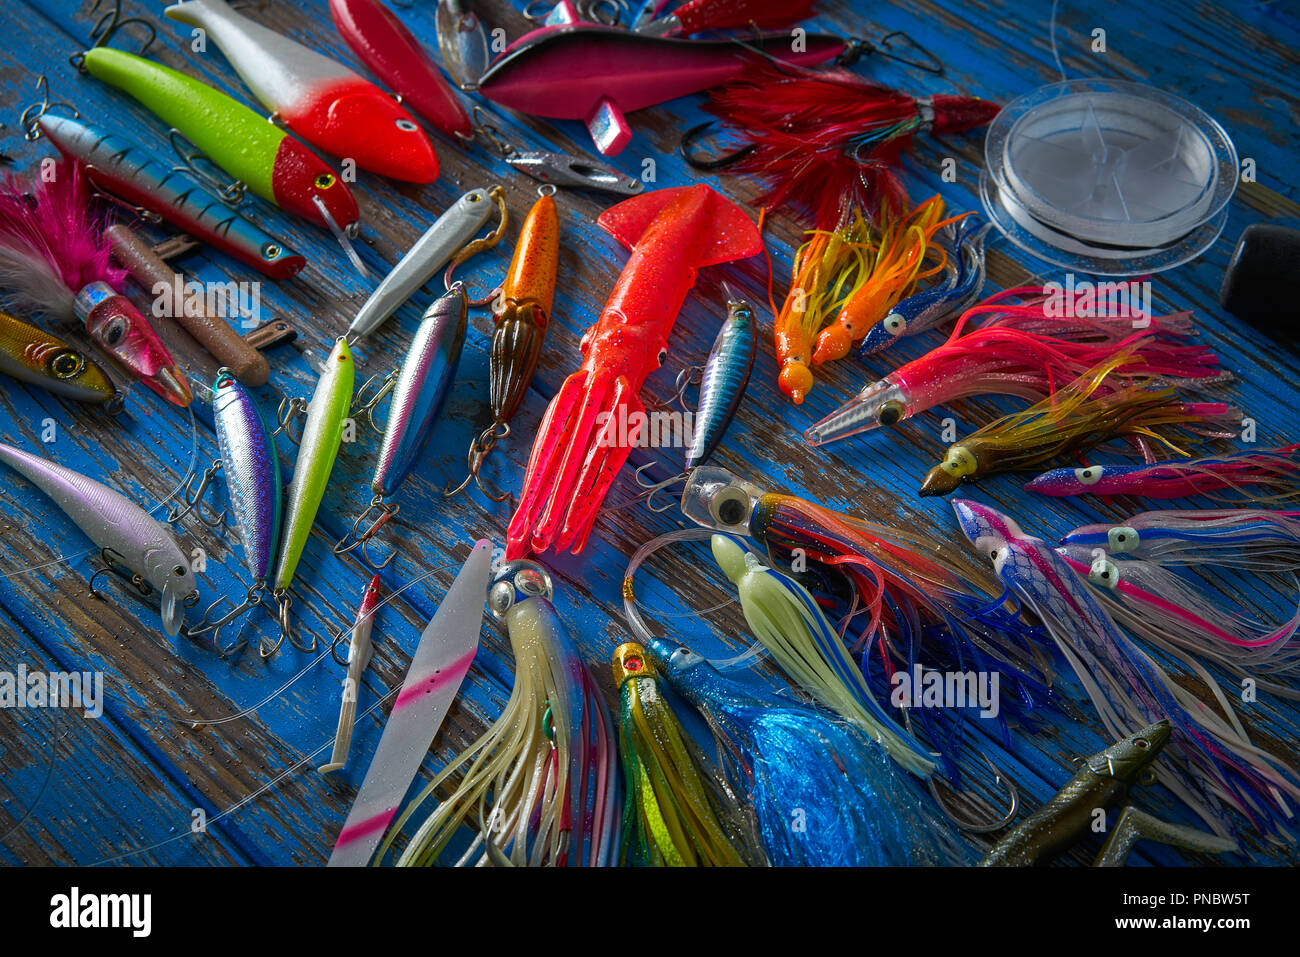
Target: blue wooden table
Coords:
[[200, 760]]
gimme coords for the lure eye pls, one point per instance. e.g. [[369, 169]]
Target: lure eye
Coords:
[[730, 505], [683, 658], [1089, 476], [406, 126], [890, 413], [272, 251], [325, 180], [115, 331], [1141, 744], [179, 571], [1123, 539], [66, 365], [632, 663], [662, 357], [894, 324]]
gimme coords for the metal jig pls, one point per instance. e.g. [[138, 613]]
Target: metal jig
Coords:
[[556, 169]]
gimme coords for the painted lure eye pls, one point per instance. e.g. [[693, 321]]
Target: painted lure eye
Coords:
[[730, 505], [67, 364], [894, 324], [325, 180], [406, 126], [1122, 538], [890, 413], [1089, 476]]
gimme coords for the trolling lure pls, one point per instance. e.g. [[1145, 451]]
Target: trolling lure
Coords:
[[824, 139], [260, 156], [677, 811], [788, 623], [1271, 475], [1022, 351], [1101, 782], [794, 762], [448, 239], [420, 388], [590, 425], [132, 543], [251, 468], [359, 652], [1212, 758], [1076, 418], [322, 435], [595, 74], [697, 16], [540, 786], [443, 657], [330, 106], [130, 174], [383, 43], [54, 260], [36, 357], [1256, 539], [521, 314], [923, 311]]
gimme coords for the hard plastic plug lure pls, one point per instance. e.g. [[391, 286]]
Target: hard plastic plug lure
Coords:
[[36, 357], [590, 425]]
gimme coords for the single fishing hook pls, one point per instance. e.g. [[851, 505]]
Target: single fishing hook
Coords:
[[686, 149], [968, 822], [858, 47]]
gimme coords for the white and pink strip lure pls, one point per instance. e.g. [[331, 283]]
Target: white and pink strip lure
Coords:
[[442, 658]]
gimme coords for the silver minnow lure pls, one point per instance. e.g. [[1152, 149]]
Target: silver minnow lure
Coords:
[[449, 232], [119, 527], [722, 385]]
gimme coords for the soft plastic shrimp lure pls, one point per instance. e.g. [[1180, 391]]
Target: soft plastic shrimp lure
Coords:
[[1261, 477], [131, 175], [359, 652], [521, 316], [540, 786], [324, 102], [1212, 758], [590, 425], [1022, 351], [925, 310], [420, 388], [442, 658], [1255, 539], [791, 760], [251, 468], [677, 811], [132, 543], [55, 260], [34, 356], [1075, 419]]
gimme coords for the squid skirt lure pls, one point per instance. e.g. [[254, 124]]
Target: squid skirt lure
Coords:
[[1254, 539], [540, 785]]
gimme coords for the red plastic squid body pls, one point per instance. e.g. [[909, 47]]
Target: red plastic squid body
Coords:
[[585, 438]]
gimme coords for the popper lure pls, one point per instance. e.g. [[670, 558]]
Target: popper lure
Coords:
[[387, 47], [443, 657], [540, 786], [1256, 539], [36, 357], [259, 155], [521, 313], [678, 811], [1021, 351], [1079, 417], [132, 542], [55, 260], [1212, 758], [581, 444], [327, 104], [129, 173], [1260, 477]]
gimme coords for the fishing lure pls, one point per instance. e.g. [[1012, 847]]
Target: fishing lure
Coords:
[[322, 435], [677, 810], [540, 786], [1022, 351], [327, 104], [1212, 758], [442, 659], [697, 16], [448, 239], [359, 652], [462, 41], [251, 468], [822, 139], [1076, 419], [259, 155], [420, 389], [131, 542], [129, 173], [382, 42], [33, 356], [1272, 475], [923, 311], [54, 260], [596, 74], [1256, 539], [787, 621], [521, 314], [1101, 782], [582, 441], [794, 762]]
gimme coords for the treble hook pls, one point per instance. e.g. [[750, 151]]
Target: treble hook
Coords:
[[286, 412], [27, 121], [107, 26], [139, 589], [653, 489], [385, 511], [858, 47], [684, 148], [367, 410], [687, 377], [478, 451], [283, 600], [230, 192], [193, 499], [207, 623]]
